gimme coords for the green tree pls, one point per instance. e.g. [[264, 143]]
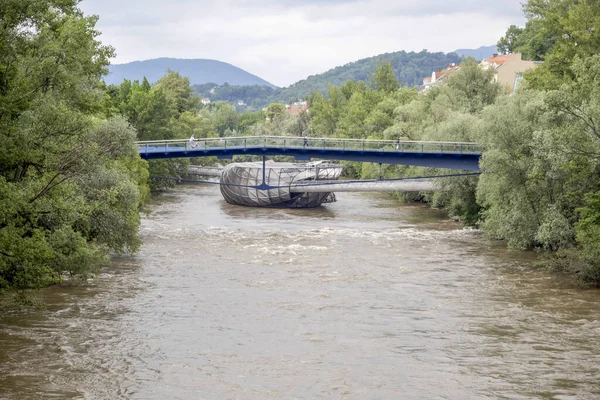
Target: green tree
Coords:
[[178, 92], [148, 111], [168, 110], [508, 43], [471, 88], [323, 116], [275, 110], [248, 119], [384, 79], [226, 118], [60, 164], [565, 29], [300, 125], [526, 190], [535, 41], [576, 112]]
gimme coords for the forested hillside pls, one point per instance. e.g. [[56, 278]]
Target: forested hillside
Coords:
[[409, 69]]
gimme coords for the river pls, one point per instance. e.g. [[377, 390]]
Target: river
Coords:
[[360, 299]]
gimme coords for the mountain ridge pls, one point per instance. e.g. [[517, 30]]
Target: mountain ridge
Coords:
[[221, 81], [409, 67], [479, 53], [198, 70]]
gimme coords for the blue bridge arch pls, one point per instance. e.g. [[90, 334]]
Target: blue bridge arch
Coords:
[[453, 155]]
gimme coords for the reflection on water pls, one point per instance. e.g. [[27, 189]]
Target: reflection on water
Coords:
[[250, 213], [363, 298]]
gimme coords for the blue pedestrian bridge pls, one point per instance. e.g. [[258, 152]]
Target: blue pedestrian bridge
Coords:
[[454, 155]]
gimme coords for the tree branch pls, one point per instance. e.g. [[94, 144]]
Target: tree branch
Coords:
[[7, 255], [49, 186], [588, 123]]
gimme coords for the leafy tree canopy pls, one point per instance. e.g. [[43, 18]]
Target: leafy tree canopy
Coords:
[[557, 32], [71, 182]]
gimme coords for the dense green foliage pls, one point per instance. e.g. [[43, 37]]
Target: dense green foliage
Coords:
[[541, 186], [166, 110], [255, 97], [508, 43], [409, 69], [557, 32], [71, 181]]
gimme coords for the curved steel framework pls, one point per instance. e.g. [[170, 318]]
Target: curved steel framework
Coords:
[[249, 184]]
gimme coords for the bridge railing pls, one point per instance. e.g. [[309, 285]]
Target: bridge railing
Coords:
[[403, 146]]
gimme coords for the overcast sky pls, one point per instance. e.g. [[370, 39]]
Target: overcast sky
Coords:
[[283, 41]]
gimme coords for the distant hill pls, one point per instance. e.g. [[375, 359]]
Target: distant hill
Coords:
[[198, 70], [410, 69], [478, 54]]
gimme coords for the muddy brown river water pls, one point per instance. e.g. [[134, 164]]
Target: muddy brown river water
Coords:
[[361, 299]]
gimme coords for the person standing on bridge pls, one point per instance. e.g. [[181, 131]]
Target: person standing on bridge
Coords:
[[305, 142], [191, 143], [398, 144]]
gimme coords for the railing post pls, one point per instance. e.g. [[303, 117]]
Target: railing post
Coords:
[[245, 143], [264, 161], [284, 143], [363, 144], [421, 147]]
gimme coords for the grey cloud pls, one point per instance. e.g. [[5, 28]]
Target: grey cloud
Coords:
[[154, 12], [148, 12], [511, 9], [387, 8], [284, 41], [430, 7]]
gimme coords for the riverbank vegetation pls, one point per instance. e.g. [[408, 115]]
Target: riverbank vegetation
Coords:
[[71, 180], [541, 186]]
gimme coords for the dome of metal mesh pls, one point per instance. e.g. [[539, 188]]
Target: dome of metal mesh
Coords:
[[238, 181]]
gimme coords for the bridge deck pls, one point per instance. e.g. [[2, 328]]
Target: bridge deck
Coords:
[[453, 155], [409, 185]]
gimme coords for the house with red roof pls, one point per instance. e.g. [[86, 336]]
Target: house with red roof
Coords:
[[440, 75], [508, 69], [297, 108]]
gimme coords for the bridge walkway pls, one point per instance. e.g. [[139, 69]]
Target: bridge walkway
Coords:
[[454, 155]]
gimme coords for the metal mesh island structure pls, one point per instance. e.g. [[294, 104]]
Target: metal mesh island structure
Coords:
[[237, 181]]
